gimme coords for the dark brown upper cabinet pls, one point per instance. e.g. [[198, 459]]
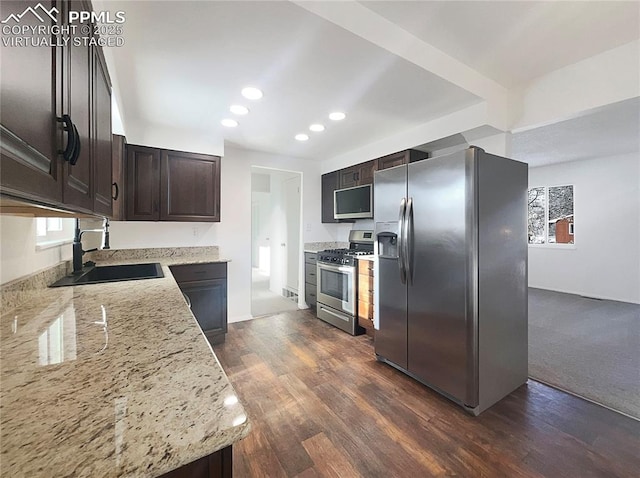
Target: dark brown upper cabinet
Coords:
[[165, 185], [30, 91], [330, 182], [101, 138], [117, 177], [78, 178], [189, 187], [328, 186], [143, 183], [401, 157], [357, 175], [56, 118]]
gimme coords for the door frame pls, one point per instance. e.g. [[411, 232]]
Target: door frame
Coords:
[[269, 169]]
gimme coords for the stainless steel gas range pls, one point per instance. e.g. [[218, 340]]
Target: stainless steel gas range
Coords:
[[337, 273]]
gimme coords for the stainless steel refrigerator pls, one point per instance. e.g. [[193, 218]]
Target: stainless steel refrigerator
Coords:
[[451, 250]]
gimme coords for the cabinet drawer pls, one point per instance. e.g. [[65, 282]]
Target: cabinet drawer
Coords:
[[365, 284], [311, 257], [365, 267], [310, 274], [365, 309], [310, 294], [196, 272]]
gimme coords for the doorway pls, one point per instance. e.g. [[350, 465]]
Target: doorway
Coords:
[[275, 240]]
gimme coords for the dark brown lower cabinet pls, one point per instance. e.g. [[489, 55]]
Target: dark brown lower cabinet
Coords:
[[216, 465], [204, 287], [310, 279]]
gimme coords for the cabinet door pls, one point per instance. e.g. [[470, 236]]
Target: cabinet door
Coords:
[[209, 305], [190, 187], [393, 160], [101, 135], [77, 180], [365, 172], [143, 183], [329, 185], [117, 175], [29, 94], [348, 177]]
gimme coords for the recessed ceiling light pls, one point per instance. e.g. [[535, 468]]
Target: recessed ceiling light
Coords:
[[229, 123], [251, 93], [302, 137], [337, 116], [316, 127], [239, 109]]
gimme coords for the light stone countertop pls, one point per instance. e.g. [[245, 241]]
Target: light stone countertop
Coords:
[[321, 246], [370, 257], [111, 379]]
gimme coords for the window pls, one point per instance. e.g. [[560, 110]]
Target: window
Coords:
[[550, 215], [53, 231]]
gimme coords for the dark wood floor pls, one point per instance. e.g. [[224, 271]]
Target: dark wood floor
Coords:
[[321, 405]]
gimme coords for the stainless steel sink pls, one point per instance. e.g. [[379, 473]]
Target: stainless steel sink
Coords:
[[125, 272]]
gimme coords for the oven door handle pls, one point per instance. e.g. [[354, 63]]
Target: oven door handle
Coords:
[[328, 267]]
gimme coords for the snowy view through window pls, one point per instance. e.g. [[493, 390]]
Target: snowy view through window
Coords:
[[550, 218]]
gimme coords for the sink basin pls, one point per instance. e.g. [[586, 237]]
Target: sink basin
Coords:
[[125, 272]]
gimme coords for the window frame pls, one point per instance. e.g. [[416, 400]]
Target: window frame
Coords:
[[53, 237], [547, 244]]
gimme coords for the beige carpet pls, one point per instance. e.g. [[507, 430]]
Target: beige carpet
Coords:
[[587, 347], [265, 302]]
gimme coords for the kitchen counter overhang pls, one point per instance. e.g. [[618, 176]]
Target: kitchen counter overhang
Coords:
[[113, 379]]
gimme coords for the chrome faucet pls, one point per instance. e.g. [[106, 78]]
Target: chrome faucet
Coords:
[[78, 252]]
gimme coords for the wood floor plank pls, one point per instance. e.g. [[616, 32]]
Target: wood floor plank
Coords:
[[329, 460], [320, 405]]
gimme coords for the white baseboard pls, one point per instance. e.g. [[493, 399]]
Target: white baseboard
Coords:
[[239, 318], [583, 294]]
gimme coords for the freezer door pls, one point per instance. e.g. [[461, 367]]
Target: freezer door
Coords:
[[390, 186], [391, 336], [441, 300]]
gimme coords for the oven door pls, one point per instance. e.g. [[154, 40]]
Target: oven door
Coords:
[[337, 287]]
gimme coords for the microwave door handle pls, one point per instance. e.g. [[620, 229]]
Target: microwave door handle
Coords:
[[401, 259]]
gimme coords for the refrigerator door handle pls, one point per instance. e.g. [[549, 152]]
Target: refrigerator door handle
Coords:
[[408, 241], [401, 240]]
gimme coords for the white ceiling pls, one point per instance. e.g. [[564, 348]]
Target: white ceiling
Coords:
[[610, 131], [184, 63], [513, 42]]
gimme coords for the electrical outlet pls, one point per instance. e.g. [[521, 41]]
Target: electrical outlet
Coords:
[[308, 229], [196, 231]]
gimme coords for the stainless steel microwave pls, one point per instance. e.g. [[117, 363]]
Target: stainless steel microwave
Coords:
[[353, 203]]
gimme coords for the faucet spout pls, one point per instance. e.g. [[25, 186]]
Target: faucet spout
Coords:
[[78, 252]]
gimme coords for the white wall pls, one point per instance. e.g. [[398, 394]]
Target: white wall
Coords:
[[576, 89], [233, 233], [605, 262], [18, 249]]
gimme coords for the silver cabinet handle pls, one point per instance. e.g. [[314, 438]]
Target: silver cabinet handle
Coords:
[[186, 297]]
